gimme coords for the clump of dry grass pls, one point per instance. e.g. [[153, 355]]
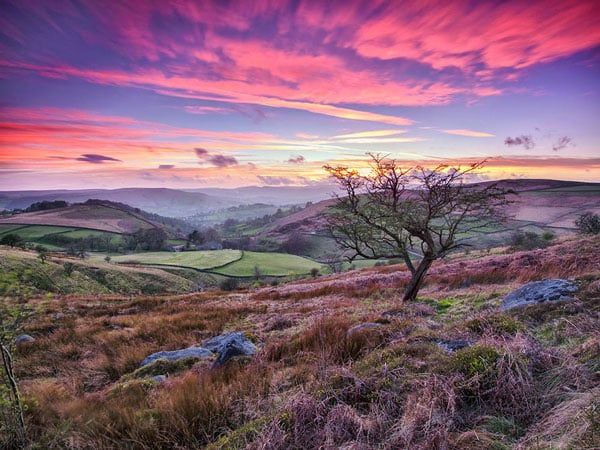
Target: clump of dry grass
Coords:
[[429, 415], [573, 423], [330, 340]]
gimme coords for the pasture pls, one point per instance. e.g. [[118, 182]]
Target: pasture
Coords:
[[202, 260], [269, 264]]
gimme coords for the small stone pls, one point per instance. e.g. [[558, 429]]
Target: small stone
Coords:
[[24, 339], [160, 378], [362, 326], [451, 345]]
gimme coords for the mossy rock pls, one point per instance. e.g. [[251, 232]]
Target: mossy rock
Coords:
[[242, 436], [161, 367], [496, 323], [475, 360]]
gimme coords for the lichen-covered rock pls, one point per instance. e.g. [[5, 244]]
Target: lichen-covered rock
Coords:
[[540, 291], [190, 352], [229, 345], [452, 345]]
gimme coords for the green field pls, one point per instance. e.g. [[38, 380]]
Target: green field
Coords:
[[269, 264], [196, 259], [83, 233], [34, 232], [7, 229]]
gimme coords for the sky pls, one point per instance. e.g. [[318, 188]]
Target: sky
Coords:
[[197, 94]]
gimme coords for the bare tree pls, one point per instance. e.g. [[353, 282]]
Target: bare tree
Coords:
[[410, 213]]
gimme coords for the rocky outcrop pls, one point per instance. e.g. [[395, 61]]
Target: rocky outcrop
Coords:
[[228, 346], [190, 352], [539, 292]]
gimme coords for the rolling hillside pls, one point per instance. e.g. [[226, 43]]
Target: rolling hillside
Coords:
[[93, 215], [540, 205]]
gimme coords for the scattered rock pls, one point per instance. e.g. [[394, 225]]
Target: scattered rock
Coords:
[[393, 312], [539, 292], [193, 352], [160, 378], [24, 339], [218, 344], [451, 345], [229, 345], [58, 316], [362, 326]]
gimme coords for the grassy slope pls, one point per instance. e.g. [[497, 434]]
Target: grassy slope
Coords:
[[21, 272], [97, 217], [274, 264], [530, 380], [227, 262], [195, 259]]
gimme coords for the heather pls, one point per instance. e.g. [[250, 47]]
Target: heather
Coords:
[[528, 378]]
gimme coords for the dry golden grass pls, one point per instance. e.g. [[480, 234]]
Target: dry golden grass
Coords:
[[313, 384]]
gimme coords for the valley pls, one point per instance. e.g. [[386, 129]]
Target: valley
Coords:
[[340, 360]]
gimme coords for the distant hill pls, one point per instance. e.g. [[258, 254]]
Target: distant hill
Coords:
[[102, 216], [166, 202], [172, 202], [540, 204]]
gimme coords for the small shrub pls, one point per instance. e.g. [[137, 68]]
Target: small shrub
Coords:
[[548, 235], [527, 241], [477, 360], [588, 223], [11, 239], [495, 323], [68, 267], [229, 284]]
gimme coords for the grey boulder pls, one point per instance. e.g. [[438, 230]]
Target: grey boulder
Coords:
[[229, 345], [193, 352], [539, 292]]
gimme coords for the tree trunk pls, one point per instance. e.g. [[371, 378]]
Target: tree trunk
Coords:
[[14, 398], [417, 280]]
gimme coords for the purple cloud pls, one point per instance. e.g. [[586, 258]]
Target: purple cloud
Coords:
[[297, 160], [525, 140], [201, 152], [166, 166], [215, 159], [562, 142], [96, 159], [222, 160]]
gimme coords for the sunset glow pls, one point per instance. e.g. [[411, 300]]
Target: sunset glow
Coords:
[[192, 94]]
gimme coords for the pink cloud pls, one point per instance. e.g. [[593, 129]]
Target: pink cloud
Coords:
[[53, 136], [469, 133], [509, 34]]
